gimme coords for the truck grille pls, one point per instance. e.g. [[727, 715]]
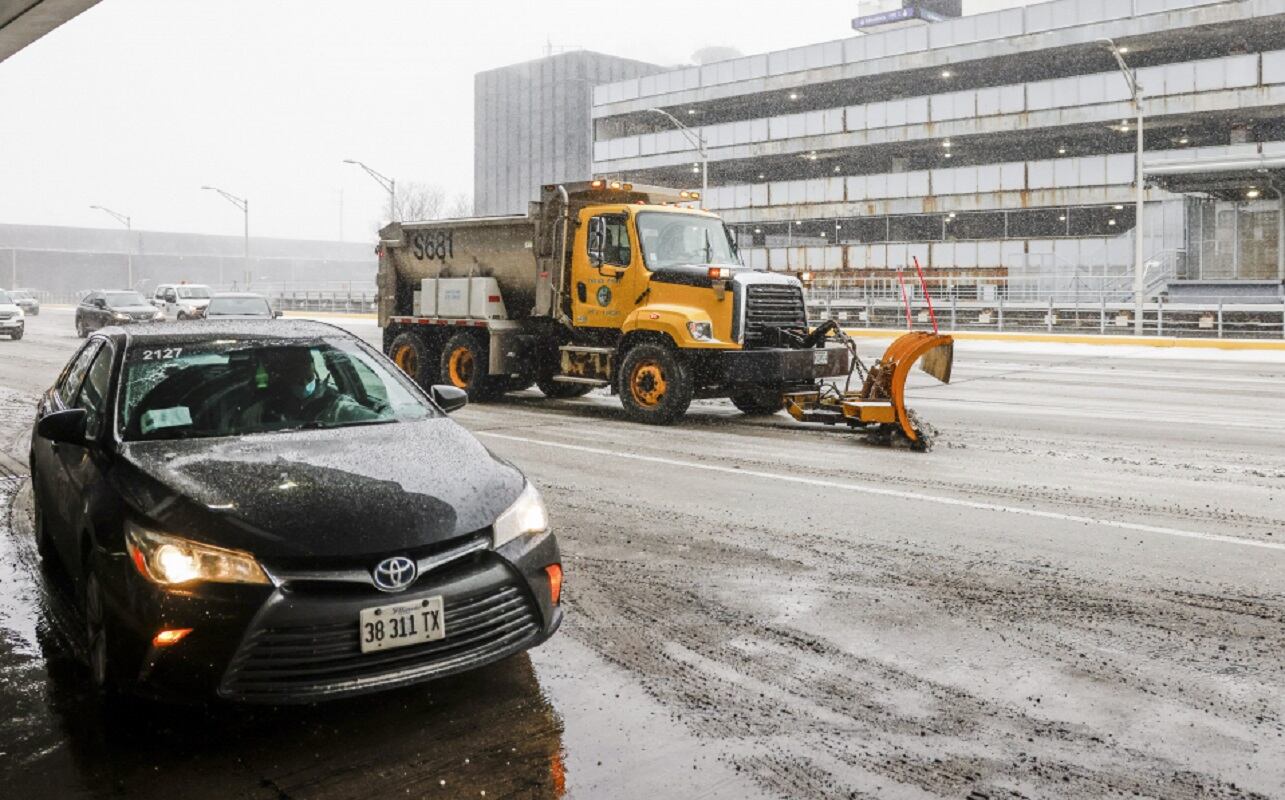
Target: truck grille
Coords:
[[772, 305], [311, 662]]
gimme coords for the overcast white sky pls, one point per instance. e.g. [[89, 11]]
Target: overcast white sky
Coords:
[[137, 103]]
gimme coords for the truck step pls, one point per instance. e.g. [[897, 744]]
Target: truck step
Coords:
[[573, 348], [585, 381]]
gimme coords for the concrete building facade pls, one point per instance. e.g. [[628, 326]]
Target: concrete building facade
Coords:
[[994, 144], [531, 125]]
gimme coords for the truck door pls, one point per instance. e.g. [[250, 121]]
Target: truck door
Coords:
[[604, 275]]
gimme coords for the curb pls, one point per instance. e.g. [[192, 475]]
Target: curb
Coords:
[[1066, 338]]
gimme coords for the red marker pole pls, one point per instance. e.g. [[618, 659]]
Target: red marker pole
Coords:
[[923, 284], [905, 300]]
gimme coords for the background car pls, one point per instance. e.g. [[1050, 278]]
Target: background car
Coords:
[[239, 305], [181, 300], [27, 300], [102, 308], [275, 513], [12, 322]]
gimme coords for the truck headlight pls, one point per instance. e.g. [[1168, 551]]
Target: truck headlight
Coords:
[[526, 515], [701, 331], [173, 560]]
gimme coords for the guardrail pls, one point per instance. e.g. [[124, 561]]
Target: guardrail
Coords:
[[996, 305]]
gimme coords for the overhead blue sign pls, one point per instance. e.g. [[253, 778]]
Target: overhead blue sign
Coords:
[[896, 15]]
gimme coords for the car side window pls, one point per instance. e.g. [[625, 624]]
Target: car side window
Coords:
[[90, 298], [170, 296], [93, 392], [74, 375]]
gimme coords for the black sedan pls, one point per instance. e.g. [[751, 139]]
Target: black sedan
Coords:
[[273, 512], [105, 308]]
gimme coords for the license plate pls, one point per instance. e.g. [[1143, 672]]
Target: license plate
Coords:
[[402, 624], [820, 357]]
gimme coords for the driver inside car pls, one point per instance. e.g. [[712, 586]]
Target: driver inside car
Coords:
[[295, 395]]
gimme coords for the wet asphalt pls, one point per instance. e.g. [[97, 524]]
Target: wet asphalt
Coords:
[[1080, 592]]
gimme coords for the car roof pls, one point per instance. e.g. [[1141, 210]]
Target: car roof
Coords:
[[193, 332], [238, 294]]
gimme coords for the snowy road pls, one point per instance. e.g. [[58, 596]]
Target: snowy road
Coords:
[[1080, 592]]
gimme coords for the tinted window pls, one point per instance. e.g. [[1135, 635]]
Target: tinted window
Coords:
[[232, 388], [75, 373], [123, 299], [90, 298], [93, 394]]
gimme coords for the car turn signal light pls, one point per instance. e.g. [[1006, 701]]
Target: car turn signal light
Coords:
[[171, 636], [554, 572]]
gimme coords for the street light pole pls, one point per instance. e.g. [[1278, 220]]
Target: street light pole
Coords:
[[697, 142], [388, 183], [129, 243], [1139, 268], [244, 205]]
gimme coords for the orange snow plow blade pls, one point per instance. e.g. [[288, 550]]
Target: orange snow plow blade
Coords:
[[880, 405]]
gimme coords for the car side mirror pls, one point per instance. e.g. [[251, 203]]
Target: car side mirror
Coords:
[[597, 240], [67, 427], [450, 398], [99, 303], [277, 314]]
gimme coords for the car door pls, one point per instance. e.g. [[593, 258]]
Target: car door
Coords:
[[46, 456], [83, 465], [171, 301], [84, 311]]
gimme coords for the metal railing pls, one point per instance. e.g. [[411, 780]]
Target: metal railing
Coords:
[[1016, 305]]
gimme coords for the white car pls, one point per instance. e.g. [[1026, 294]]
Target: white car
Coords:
[[182, 300], [12, 319]]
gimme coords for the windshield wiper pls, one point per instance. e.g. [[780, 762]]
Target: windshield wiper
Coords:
[[709, 248]]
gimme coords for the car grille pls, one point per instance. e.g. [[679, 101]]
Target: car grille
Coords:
[[142, 316], [772, 305], [311, 662], [7, 315]]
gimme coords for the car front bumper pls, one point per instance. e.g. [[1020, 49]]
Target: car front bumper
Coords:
[[12, 324], [298, 641]]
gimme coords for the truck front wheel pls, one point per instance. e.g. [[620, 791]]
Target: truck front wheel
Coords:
[[655, 384], [465, 364], [416, 357]]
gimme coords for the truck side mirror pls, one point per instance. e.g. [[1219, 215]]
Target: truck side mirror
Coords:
[[597, 240]]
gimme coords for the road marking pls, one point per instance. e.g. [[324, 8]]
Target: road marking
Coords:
[[899, 493]]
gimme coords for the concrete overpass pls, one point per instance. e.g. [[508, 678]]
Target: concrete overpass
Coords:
[[24, 21]]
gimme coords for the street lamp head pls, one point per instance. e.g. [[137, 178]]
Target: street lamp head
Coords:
[[349, 161]]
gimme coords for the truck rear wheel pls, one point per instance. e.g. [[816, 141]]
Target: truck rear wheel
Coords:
[[416, 357], [655, 384], [464, 366], [758, 401]]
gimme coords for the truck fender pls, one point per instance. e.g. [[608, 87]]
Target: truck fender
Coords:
[[669, 320]]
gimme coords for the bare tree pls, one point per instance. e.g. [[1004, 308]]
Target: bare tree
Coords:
[[461, 206], [417, 201]]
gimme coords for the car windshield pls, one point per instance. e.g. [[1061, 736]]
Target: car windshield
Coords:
[[19, 294], [124, 299], [675, 240], [194, 292], [5, 299], [236, 306], [232, 387]]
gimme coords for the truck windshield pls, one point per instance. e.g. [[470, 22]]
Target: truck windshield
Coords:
[[678, 240]]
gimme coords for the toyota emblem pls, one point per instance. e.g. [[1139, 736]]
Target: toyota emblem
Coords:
[[394, 574]]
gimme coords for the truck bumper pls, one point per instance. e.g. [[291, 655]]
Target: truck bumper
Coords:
[[779, 366]]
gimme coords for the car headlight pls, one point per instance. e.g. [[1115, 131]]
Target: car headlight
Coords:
[[158, 316], [173, 560], [119, 316], [21, 314], [526, 515], [701, 331]]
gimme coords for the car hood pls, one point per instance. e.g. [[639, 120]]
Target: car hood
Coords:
[[9, 307], [322, 495], [239, 316], [134, 309]]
